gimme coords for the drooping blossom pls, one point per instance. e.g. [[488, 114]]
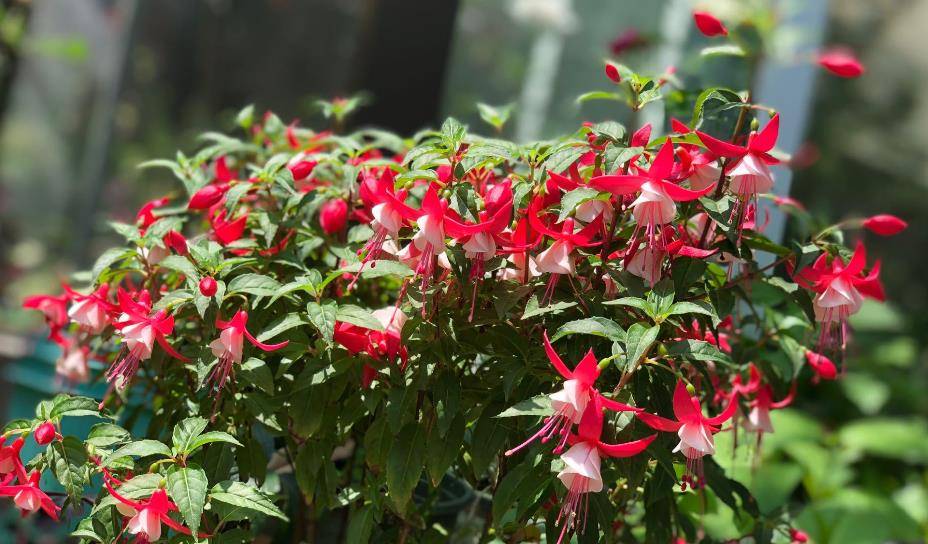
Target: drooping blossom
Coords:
[[758, 420], [148, 515], [90, 311], [208, 286], [387, 210], [840, 289], [627, 41], [27, 495], [9, 456], [228, 347], [72, 365], [581, 473], [885, 224], [571, 401], [709, 24], [139, 328], [841, 62], [655, 205], [145, 216], [225, 230], [379, 345], [176, 242], [694, 429], [54, 310], [559, 259], [208, 196]]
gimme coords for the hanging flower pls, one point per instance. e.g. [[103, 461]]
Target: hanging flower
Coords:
[[90, 312], [570, 403], [694, 429], [709, 24], [72, 364], [27, 495], [146, 516], [228, 348], [54, 310], [581, 473]]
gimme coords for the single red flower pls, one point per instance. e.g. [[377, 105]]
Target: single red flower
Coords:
[[885, 224], [709, 24], [841, 62]]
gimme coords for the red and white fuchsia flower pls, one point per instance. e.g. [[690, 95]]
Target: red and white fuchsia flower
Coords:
[[140, 328], [91, 312], [840, 289], [23, 487], [146, 516], [694, 429], [570, 403], [228, 347], [378, 344]]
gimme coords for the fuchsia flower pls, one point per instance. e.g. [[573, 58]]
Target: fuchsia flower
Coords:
[[558, 259], [26, 493], [709, 24], [226, 230], [55, 311], [570, 403], [581, 473], [758, 420], [72, 364], [228, 347], [91, 311], [176, 242], [208, 196], [9, 456], [145, 216], [694, 429], [145, 516], [841, 62], [333, 216], [841, 290], [657, 196], [377, 192], [387, 343], [139, 328], [885, 224]]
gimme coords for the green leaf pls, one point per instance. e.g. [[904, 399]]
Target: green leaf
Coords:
[[210, 437], [107, 259], [253, 284], [285, 323], [104, 435], [140, 448], [532, 309], [246, 497], [75, 406], [361, 524], [358, 316], [18, 426], [596, 326], [186, 432], [638, 342], [699, 307], [441, 451], [379, 268], [535, 406], [600, 95], [495, 116], [68, 460], [697, 350], [256, 372], [405, 464], [322, 316], [633, 302], [661, 298], [187, 488], [182, 265]]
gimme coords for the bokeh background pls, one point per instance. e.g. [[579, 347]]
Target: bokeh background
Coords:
[[90, 88]]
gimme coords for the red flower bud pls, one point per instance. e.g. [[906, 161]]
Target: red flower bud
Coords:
[[798, 537], [207, 286], [302, 169], [45, 433], [176, 242], [333, 216], [208, 196], [841, 62], [709, 25], [822, 365], [885, 224], [612, 72]]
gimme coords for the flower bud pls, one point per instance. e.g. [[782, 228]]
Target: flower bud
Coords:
[[302, 170], [207, 286], [798, 537], [333, 216], [841, 62], [208, 196], [885, 224], [176, 242], [822, 365], [45, 433], [612, 72], [709, 24]]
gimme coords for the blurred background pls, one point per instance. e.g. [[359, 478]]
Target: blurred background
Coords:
[[89, 89]]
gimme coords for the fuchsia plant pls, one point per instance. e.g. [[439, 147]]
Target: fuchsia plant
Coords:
[[404, 295]]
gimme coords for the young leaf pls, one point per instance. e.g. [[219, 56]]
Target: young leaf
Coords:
[[322, 316], [187, 488], [186, 432], [405, 464], [638, 342]]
